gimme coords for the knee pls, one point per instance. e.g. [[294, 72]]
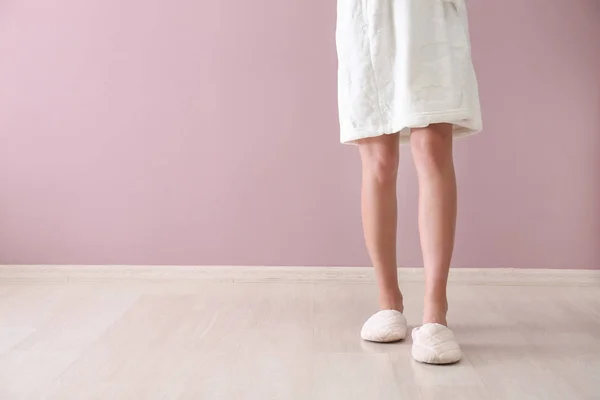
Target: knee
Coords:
[[381, 164], [432, 150]]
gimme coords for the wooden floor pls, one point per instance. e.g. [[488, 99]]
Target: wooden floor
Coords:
[[246, 341]]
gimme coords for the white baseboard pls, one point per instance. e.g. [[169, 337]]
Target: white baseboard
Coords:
[[474, 276]]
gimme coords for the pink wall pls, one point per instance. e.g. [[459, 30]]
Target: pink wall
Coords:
[[156, 132]]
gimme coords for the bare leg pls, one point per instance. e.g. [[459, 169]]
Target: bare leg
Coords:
[[432, 151], [380, 157]]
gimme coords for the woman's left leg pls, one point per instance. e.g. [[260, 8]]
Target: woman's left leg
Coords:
[[432, 153], [433, 342]]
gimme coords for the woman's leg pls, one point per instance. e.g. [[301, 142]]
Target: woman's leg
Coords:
[[432, 152], [380, 157]]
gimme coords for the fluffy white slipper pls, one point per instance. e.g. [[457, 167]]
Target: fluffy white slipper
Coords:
[[384, 327], [435, 344]]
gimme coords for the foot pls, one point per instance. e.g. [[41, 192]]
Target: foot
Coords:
[[384, 327], [434, 343]]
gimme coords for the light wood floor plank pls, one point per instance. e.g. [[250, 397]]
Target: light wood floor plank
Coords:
[[78, 317], [357, 377]]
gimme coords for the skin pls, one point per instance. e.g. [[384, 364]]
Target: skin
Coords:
[[432, 153]]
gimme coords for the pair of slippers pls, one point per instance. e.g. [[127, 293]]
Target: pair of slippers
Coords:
[[432, 343]]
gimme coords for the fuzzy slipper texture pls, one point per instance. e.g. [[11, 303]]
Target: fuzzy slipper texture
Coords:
[[435, 344], [384, 327]]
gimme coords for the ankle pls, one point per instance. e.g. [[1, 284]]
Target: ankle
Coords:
[[392, 301], [435, 311]]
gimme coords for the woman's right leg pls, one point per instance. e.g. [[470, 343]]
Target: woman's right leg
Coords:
[[380, 156]]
